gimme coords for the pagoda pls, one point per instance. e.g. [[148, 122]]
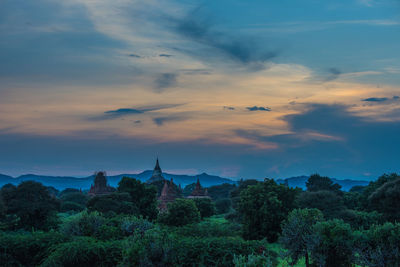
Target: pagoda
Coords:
[[199, 191], [157, 174], [100, 186], [168, 195]]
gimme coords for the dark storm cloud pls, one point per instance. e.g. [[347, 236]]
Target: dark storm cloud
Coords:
[[160, 121], [164, 81], [219, 44], [255, 108]]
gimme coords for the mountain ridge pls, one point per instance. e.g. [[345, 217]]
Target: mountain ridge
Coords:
[[62, 182], [207, 180]]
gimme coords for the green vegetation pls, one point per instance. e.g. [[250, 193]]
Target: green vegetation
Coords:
[[258, 224]]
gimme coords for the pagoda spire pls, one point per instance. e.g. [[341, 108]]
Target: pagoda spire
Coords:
[[157, 167]]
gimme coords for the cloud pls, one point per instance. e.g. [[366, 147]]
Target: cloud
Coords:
[[255, 108], [165, 80], [160, 121], [122, 112], [134, 55], [334, 73], [137, 121], [375, 99], [228, 108], [165, 55], [218, 44], [332, 139], [382, 99], [196, 71]]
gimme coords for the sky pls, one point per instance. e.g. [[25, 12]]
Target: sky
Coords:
[[240, 89]]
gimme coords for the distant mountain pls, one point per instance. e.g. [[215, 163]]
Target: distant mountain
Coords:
[[300, 181], [62, 182]]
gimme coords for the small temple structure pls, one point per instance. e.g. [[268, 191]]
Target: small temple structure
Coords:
[[100, 186], [199, 191]]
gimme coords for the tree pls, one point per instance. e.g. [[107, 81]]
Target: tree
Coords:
[[297, 233], [180, 212], [379, 246], [360, 219], [144, 197], [317, 183], [263, 207], [205, 206], [2, 208], [328, 202], [223, 205], [32, 204], [235, 193], [334, 244], [386, 199], [221, 191], [77, 197], [115, 202]]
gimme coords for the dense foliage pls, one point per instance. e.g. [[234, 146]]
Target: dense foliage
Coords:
[[29, 205], [180, 212], [261, 223], [263, 208]]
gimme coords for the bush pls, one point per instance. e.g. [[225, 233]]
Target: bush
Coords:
[[252, 260], [180, 212], [208, 229], [85, 251], [27, 249], [83, 224], [151, 248], [131, 225], [215, 251]]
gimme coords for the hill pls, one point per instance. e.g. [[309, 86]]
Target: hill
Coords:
[[62, 182], [300, 181]]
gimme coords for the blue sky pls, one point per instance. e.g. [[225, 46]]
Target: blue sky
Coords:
[[243, 89]]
